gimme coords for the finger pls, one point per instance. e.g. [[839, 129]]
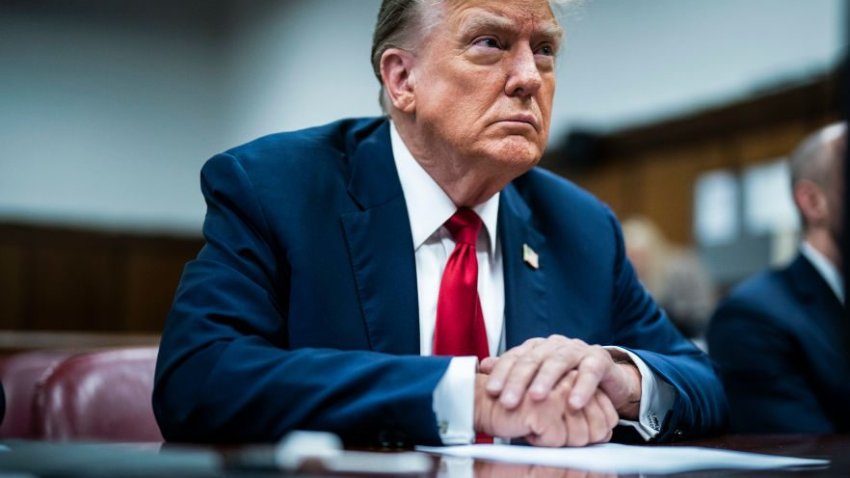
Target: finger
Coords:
[[526, 368], [577, 428], [555, 365], [612, 418], [486, 365], [501, 369], [521, 375], [504, 365], [596, 423], [533, 440], [592, 369], [547, 424], [597, 419], [551, 433]]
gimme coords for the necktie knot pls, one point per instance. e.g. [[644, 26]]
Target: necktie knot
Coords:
[[464, 226]]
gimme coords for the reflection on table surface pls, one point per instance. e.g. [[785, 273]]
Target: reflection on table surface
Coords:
[[835, 448], [81, 460]]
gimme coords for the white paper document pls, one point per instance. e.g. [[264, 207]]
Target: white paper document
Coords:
[[615, 458]]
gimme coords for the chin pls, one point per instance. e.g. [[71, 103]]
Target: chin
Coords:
[[518, 152]]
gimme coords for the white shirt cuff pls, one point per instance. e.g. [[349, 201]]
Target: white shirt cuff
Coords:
[[454, 401], [657, 397]]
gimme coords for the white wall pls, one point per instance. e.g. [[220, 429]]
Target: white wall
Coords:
[[106, 122], [301, 63], [629, 61], [105, 119]]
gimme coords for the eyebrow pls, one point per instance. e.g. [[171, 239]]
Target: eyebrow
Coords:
[[490, 21]]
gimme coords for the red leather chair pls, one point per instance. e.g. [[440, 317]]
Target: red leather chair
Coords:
[[20, 374], [104, 396]]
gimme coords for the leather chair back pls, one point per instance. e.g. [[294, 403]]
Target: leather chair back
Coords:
[[20, 373], [103, 395]]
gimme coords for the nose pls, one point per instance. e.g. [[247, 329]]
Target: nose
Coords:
[[523, 75]]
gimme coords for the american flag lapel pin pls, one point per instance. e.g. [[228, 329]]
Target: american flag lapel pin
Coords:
[[530, 257]]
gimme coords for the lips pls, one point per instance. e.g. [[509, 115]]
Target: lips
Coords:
[[522, 118]]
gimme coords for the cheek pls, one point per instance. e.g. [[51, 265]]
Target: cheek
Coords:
[[477, 85], [547, 96]]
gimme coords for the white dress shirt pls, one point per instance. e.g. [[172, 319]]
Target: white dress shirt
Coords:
[[826, 269], [428, 208]]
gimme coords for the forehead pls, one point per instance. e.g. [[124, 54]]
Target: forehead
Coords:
[[533, 15]]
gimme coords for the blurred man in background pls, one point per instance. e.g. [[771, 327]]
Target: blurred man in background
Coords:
[[674, 275], [781, 339]]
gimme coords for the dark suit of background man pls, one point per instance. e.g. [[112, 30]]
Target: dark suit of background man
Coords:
[[315, 302], [781, 338]]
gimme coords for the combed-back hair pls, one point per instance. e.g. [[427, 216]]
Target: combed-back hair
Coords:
[[397, 19], [400, 22]]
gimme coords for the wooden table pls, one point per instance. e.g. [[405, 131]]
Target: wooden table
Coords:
[[75, 460], [835, 448]]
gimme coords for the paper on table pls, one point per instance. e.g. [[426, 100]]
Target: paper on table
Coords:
[[615, 458]]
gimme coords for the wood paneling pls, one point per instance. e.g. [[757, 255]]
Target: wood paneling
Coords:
[[608, 184], [64, 279], [151, 276], [11, 291], [651, 170], [759, 145], [54, 278]]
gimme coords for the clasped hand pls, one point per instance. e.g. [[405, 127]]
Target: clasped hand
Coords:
[[556, 392]]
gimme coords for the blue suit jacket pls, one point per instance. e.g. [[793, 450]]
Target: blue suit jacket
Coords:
[[781, 342], [300, 312]]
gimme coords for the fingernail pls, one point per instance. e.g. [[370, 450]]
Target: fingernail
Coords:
[[576, 401], [538, 390], [494, 385], [510, 399]]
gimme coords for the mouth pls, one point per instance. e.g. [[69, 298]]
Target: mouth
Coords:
[[521, 120]]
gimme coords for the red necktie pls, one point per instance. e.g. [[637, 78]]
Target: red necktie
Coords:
[[460, 323]]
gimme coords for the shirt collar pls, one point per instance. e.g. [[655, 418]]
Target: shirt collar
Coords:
[[825, 268], [428, 206]]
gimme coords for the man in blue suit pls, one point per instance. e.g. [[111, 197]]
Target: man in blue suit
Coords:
[[354, 274], [782, 339]]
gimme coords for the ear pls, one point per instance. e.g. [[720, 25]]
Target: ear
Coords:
[[811, 200], [399, 81]]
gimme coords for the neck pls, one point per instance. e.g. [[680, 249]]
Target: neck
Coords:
[[468, 181], [823, 241]]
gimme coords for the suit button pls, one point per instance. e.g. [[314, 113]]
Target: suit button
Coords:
[[679, 433]]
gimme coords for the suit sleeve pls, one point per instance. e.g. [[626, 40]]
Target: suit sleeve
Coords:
[[700, 406], [225, 372], [763, 374]]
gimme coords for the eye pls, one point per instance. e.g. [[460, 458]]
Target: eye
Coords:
[[546, 49], [487, 42]]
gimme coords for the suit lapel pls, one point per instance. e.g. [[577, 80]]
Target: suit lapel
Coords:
[[820, 303], [525, 293], [380, 247]]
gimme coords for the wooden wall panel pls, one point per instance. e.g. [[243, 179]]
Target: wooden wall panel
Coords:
[[665, 187], [63, 279], [68, 288], [151, 277], [760, 145], [651, 170], [54, 278], [608, 183], [11, 271]]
